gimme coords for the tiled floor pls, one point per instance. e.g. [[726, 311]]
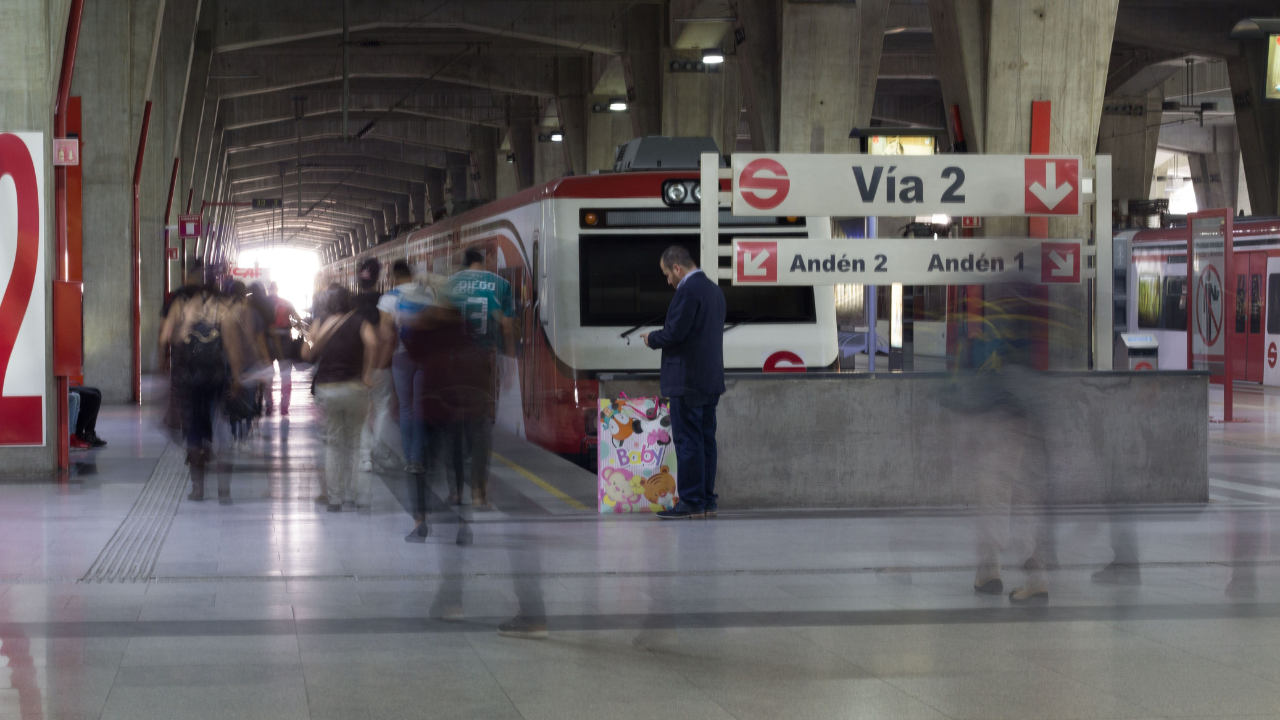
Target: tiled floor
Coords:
[[273, 608]]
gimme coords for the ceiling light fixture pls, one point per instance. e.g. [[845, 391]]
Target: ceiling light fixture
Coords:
[[617, 105], [713, 57], [557, 137]]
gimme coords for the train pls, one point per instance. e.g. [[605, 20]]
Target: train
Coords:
[[582, 256], [1151, 283]]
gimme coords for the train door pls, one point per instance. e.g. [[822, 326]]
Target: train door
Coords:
[[1271, 332], [1248, 343]]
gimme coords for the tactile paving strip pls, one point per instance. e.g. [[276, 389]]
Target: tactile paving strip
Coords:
[[130, 555]]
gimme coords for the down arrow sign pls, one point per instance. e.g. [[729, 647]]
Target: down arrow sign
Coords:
[[1051, 193]]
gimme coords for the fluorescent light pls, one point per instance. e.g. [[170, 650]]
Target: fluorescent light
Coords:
[[617, 106], [713, 57], [557, 137], [941, 220]]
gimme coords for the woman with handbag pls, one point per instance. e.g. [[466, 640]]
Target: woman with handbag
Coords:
[[344, 347]]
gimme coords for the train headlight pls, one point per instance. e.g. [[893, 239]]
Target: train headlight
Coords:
[[674, 193], [697, 192]]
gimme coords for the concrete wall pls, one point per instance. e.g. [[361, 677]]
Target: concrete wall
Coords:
[[831, 440]]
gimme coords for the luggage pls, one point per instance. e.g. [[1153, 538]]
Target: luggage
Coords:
[[637, 460]]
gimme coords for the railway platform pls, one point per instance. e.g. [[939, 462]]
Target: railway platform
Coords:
[[119, 599]]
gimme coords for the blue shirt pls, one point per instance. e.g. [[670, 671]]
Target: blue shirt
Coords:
[[402, 303], [484, 299]]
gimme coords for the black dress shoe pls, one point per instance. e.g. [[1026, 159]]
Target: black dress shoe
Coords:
[[93, 440], [681, 512], [994, 586], [711, 509]]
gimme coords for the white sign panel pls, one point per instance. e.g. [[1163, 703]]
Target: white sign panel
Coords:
[[250, 274], [23, 363], [868, 185], [910, 261]]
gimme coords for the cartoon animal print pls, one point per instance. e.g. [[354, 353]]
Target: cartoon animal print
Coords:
[[619, 491]]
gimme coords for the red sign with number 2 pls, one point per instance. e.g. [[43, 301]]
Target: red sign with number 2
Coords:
[[21, 416]]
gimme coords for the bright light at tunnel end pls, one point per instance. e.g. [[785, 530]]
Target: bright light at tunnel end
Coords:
[[293, 269]]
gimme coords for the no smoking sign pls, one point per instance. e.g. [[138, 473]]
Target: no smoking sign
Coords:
[[1209, 305]]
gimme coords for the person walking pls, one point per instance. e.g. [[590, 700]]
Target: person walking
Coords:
[[344, 347], [284, 319], [403, 303], [488, 308], [692, 344], [375, 453]]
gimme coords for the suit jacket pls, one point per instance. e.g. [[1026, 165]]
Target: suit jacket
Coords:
[[692, 340]]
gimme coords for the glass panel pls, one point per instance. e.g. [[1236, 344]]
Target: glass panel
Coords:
[[1255, 303], [1149, 301], [1208, 293], [1175, 303], [1273, 304], [1240, 284], [622, 285]]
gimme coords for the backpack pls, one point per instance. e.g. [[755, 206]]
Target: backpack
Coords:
[[199, 360]]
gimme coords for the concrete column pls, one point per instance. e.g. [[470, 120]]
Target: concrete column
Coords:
[[459, 171], [960, 36], [759, 47], [435, 200], [830, 60], [1129, 132], [198, 89], [1258, 126], [484, 162], [524, 115], [403, 216], [702, 104], [643, 69], [572, 82]]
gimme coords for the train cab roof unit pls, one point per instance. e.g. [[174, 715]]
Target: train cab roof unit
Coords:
[[657, 152]]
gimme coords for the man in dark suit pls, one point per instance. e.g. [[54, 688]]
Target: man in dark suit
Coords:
[[692, 344]]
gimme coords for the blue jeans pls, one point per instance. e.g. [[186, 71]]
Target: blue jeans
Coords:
[[693, 425], [408, 378]]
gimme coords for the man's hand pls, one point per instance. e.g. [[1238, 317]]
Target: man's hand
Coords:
[[645, 338]]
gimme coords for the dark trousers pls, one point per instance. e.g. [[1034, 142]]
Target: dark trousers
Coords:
[[90, 403], [693, 424]]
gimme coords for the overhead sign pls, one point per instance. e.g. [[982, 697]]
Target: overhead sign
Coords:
[[66, 152], [865, 185], [23, 313], [189, 226], [910, 261], [249, 274], [259, 203]]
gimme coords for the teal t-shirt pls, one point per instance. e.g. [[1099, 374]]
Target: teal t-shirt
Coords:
[[484, 299]]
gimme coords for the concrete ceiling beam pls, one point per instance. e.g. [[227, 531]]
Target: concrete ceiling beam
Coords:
[[320, 150], [590, 25], [243, 75], [908, 66], [370, 168], [251, 110], [329, 180], [397, 168], [432, 133]]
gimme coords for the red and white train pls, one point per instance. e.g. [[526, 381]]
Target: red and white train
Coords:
[[581, 254], [1155, 289]]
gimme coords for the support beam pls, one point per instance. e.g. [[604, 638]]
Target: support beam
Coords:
[[523, 119], [1258, 126], [642, 69], [573, 81]]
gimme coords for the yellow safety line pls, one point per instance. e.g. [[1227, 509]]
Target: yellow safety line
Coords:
[[541, 483]]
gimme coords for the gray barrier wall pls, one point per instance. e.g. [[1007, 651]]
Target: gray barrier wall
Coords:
[[887, 440]]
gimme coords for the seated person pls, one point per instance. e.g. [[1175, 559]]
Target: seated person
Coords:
[[84, 422]]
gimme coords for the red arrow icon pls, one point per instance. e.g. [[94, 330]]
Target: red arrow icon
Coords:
[[757, 262], [1052, 186]]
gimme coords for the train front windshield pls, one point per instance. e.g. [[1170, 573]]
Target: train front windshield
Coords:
[[622, 285]]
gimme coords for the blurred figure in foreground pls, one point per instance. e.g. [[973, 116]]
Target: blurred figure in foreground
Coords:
[[1001, 433], [488, 307], [247, 356], [377, 426], [344, 348], [191, 336], [405, 301]]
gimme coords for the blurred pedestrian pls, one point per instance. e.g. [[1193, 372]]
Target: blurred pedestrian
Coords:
[[284, 347], [344, 348], [692, 344], [191, 336], [487, 306], [373, 444], [249, 361], [405, 301]]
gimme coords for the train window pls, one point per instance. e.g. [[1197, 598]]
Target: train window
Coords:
[[1175, 303], [1240, 280], [622, 285], [1255, 303], [1149, 301], [1273, 302]]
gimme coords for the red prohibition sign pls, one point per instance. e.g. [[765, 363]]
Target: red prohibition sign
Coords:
[[20, 417], [1208, 289]]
